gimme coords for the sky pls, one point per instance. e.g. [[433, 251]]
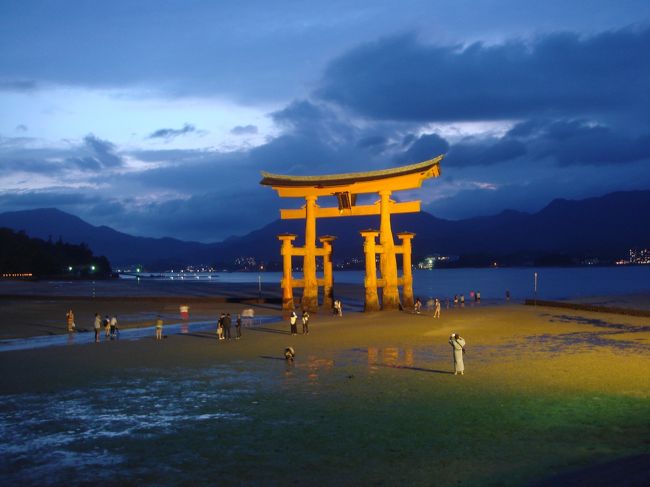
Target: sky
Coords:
[[156, 117]]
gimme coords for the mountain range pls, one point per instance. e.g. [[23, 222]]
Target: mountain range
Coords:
[[605, 227]]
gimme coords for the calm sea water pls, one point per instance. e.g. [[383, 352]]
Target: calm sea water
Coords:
[[552, 282]]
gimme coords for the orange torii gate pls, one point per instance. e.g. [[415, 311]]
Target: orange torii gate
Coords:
[[346, 187]]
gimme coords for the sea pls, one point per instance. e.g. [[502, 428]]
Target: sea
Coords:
[[492, 283]]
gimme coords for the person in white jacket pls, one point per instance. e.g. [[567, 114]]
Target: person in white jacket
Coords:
[[458, 346]]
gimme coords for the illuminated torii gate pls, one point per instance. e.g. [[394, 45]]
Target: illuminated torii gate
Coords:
[[346, 187]]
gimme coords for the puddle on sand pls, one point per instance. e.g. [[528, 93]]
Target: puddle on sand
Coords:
[[81, 338]]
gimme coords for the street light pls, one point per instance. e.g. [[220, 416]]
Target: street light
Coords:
[[535, 287]]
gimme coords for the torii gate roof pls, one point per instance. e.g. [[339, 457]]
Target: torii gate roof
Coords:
[[404, 177]]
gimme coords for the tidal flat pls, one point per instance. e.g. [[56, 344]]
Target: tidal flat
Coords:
[[370, 400]]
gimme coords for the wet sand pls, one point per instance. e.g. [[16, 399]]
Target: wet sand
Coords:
[[370, 400]]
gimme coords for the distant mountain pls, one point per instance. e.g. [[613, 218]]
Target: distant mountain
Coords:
[[120, 248], [604, 227]]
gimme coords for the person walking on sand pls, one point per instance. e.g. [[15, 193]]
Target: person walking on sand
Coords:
[[159, 327], [305, 323], [97, 326], [458, 346], [436, 309], [238, 327], [292, 321], [69, 316]]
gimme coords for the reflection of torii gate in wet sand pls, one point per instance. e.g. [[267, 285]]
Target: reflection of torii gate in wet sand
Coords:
[[346, 187]]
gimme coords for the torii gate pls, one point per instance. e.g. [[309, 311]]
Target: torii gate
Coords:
[[346, 187]]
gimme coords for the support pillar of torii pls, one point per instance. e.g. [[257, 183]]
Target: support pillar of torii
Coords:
[[345, 188]]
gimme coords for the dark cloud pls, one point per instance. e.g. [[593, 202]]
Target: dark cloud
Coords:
[[585, 143], [563, 142], [172, 133], [244, 130], [101, 155], [21, 128], [557, 75], [424, 147], [22, 154]]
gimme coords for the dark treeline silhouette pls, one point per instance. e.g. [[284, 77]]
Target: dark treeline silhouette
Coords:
[[20, 254]]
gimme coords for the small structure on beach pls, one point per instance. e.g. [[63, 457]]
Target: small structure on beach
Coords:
[[345, 188]]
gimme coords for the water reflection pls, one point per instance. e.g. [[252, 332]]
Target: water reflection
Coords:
[[391, 357]]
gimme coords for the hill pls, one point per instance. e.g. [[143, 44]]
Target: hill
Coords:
[[605, 227], [22, 256]]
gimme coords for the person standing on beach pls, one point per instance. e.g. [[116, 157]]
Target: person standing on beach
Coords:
[[107, 326], [159, 327], [478, 296], [113, 327], [436, 311], [338, 308], [97, 326], [458, 346], [70, 320], [507, 294], [292, 321], [305, 323], [227, 321], [220, 326], [238, 327]]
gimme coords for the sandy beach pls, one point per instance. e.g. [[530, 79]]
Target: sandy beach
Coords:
[[370, 399]]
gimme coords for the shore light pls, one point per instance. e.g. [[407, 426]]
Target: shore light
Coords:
[[92, 268], [70, 268]]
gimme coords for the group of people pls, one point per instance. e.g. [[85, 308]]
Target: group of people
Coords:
[[111, 330], [432, 305], [224, 323], [109, 324], [293, 322]]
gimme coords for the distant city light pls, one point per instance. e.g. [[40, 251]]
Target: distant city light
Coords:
[[639, 256]]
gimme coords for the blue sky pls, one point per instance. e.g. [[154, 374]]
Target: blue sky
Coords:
[[155, 117]]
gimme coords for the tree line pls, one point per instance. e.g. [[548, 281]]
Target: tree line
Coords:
[[23, 255]]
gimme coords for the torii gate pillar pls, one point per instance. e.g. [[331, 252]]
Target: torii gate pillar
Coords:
[[370, 282], [328, 279], [407, 277]]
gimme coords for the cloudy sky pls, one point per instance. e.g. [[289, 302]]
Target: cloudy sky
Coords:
[[156, 117]]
